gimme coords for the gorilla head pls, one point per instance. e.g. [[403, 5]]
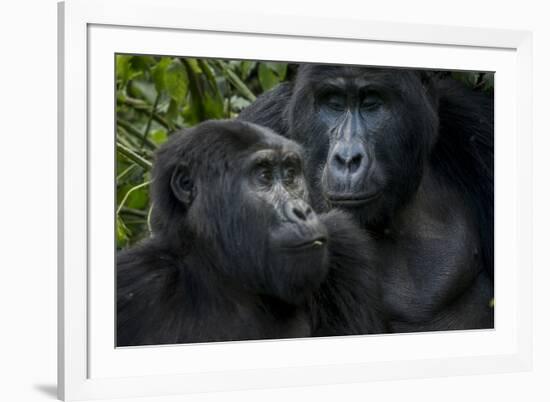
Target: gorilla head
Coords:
[[367, 132], [242, 209]]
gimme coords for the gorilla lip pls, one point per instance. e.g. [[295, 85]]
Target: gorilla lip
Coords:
[[352, 199], [312, 243]]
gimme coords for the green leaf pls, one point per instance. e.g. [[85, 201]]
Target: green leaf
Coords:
[[194, 65], [238, 103], [213, 106], [122, 67], [193, 110], [122, 233], [143, 63], [246, 68], [173, 110], [158, 136], [158, 73], [138, 199], [205, 100], [170, 75], [270, 74], [126, 69], [236, 81], [279, 69], [144, 90], [176, 81]]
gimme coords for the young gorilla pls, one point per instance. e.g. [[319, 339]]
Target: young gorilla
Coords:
[[237, 252], [410, 155]]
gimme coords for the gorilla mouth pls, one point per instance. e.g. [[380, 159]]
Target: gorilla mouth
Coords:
[[350, 200], [315, 243]]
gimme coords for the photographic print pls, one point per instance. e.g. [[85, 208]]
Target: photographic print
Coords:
[[271, 200]]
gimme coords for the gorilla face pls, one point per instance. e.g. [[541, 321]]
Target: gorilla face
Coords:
[[369, 133], [249, 208], [275, 201], [275, 185]]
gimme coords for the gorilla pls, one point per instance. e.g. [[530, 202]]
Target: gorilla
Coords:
[[237, 253], [410, 155]]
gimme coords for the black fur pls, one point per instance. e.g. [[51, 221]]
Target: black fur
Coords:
[[424, 146], [212, 270]]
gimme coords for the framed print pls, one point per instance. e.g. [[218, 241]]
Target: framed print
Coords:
[[265, 201]]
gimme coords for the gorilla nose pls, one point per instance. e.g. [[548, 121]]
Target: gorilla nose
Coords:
[[299, 211], [347, 160]]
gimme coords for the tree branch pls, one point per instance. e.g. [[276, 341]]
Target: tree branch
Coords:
[[148, 126], [131, 155], [135, 132], [144, 184]]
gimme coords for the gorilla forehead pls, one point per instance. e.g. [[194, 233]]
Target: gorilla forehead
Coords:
[[317, 75], [232, 138], [220, 145]]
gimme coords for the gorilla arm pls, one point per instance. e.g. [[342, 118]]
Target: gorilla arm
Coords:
[[347, 302]]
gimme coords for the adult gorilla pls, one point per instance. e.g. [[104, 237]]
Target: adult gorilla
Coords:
[[410, 154], [237, 251]]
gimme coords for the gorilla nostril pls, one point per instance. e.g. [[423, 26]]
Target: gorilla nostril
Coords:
[[348, 164], [340, 161], [355, 163], [299, 213]]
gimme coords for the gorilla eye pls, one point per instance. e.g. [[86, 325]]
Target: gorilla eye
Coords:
[[290, 175], [371, 101], [335, 102], [265, 176]]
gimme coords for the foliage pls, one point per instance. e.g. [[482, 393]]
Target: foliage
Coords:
[[156, 96]]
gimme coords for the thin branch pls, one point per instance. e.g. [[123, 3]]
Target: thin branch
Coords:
[[124, 138], [148, 126], [131, 155], [130, 221], [135, 132], [194, 88], [144, 184], [125, 172], [133, 212], [236, 81], [144, 107]]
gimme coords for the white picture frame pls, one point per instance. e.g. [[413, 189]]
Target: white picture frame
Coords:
[[90, 367]]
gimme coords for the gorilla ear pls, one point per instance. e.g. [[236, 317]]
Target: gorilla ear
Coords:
[[182, 184]]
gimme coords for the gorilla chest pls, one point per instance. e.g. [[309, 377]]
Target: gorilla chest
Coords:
[[429, 259]]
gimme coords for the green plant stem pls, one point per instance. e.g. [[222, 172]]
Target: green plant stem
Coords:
[[144, 184], [125, 172], [194, 88], [133, 212], [143, 107], [135, 133], [132, 156], [151, 116], [236, 81]]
